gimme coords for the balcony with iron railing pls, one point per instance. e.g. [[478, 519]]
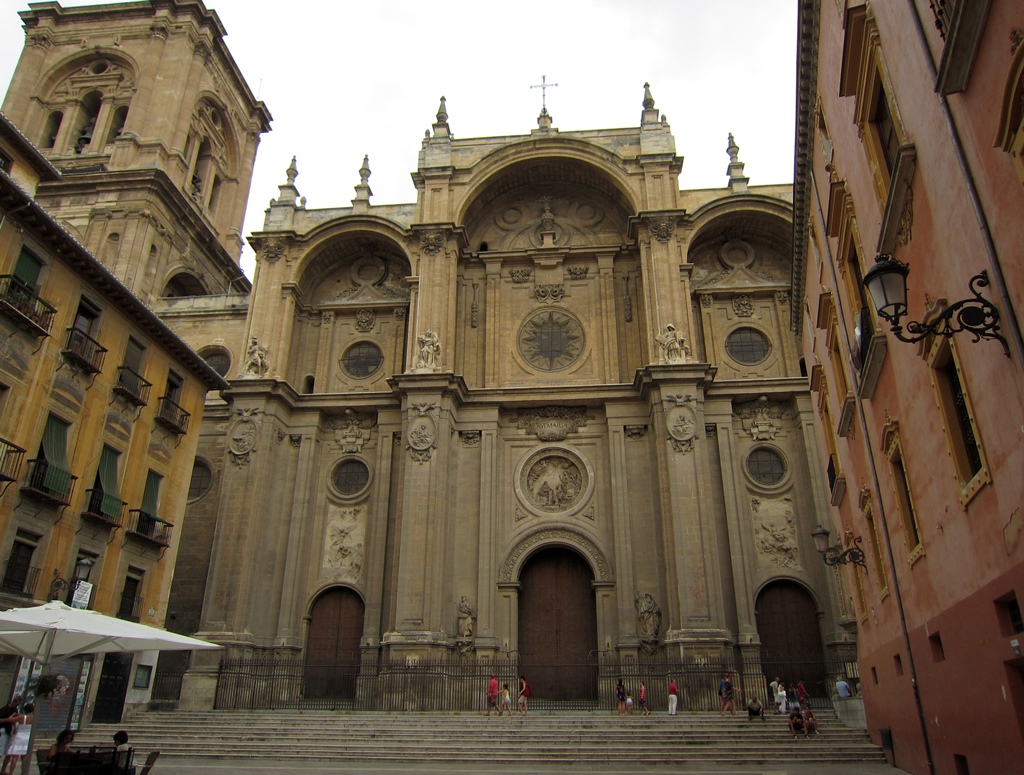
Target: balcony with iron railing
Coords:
[[132, 387], [83, 350], [103, 507], [21, 304], [130, 608], [172, 416], [11, 457], [19, 579], [48, 483], [149, 527]]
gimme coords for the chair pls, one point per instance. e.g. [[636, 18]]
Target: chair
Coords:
[[43, 760], [150, 761]]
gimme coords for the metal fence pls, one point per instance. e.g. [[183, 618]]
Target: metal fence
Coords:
[[459, 683]]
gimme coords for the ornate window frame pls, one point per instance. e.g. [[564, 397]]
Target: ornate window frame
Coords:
[[1010, 136], [874, 545], [909, 524], [941, 355]]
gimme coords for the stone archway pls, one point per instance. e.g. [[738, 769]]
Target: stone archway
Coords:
[[332, 655], [558, 625], [791, 644]]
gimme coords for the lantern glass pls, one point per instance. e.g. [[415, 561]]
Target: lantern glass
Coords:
[[820, 535], [886, 282]]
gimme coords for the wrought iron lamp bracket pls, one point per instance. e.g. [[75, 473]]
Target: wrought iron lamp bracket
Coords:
[[978, 317], [832, 555]]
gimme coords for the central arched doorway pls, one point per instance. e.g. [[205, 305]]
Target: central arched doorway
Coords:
[[332, 649], [558, 626], [791, 645]]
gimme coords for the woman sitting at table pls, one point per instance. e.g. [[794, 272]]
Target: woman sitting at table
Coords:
[[125, 757]]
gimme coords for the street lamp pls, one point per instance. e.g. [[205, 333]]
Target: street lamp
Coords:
[[886, 282], [82, 569], [832, 555]]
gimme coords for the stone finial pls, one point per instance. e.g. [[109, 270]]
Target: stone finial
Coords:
[[737, 180], [363, 193], [441, 128], [288, 193], [648, 97]]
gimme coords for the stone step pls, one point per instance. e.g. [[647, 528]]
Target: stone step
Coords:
[[538, 738]]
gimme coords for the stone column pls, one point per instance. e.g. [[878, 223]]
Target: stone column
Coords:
[[422, 615]]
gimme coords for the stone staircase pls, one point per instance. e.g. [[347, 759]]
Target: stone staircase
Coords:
[[553, 738]]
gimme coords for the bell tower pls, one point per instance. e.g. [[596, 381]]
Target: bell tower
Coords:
[[143, 110]]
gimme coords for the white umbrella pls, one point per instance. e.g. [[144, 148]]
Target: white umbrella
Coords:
[[56, 631]]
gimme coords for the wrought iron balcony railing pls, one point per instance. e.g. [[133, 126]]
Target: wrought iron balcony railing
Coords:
[[11, 457], [132, 387], [19, 579], [106, 508], [172, 416], [84, 350], [149, 526], [49, 483], [24, 307], [130, 608]]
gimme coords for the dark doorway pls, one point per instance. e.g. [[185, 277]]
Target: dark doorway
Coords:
[[558, 626], [332, 651], [114, 677], [791, 646]]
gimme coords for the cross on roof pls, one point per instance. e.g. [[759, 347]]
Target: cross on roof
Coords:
[[544, 86]]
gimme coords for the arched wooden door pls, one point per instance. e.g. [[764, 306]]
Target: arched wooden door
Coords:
[[791, 645], [332, 649], [558, 626]]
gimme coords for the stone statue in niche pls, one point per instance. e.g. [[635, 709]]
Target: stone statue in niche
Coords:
[[467, 618], [673, 346], [256, 361], [429, 356], [649, 621]]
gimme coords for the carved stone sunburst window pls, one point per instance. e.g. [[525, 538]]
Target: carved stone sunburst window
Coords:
[[551, 340]]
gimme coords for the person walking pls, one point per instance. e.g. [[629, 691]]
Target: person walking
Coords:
[[506, 701], [8, 714], [801, 693], [673, 696], [524, 695], [492, 694], [18, 744], [780, 698], [641, 699], [726, 693]]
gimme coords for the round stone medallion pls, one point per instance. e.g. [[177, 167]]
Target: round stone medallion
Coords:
[[554, 481]]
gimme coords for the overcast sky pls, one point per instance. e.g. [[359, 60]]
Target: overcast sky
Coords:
[[344, 78]]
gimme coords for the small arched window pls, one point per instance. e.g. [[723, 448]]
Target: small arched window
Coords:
[[117, 124], [86, 125], [53, 122]]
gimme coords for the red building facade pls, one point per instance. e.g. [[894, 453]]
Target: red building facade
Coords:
[[910, 130]]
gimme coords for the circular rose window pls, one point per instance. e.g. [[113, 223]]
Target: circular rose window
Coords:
[[748, 346], [551, 340], [350, 477]]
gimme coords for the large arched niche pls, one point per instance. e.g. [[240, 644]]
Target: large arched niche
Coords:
[[584, 204], [75, 64], [354, 265], [752, 240], [546, 538]]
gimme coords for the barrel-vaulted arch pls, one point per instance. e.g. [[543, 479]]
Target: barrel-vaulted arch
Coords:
[[750, 217], [548, 161], [325, 249]]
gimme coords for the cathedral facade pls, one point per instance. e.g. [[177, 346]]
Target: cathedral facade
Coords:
[[553, 409]]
